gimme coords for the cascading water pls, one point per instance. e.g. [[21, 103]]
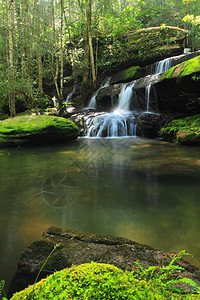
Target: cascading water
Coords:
[[120, 122], [69, 96], [92, 103], [147, 95], [162, 65], [157, 68]]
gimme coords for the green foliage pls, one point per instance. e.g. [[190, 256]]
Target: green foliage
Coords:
[[103, 281], [41, 100]]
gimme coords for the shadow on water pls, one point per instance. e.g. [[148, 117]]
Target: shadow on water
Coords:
[[145, 190]]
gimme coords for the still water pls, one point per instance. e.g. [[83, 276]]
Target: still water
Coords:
[[144, 190]]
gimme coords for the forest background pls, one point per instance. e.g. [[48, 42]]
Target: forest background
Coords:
[[47, 45]]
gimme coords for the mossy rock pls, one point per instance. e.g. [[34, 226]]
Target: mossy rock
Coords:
[[140, 47], [36, 130], [95, 281], [185, 131], [127, 75], [191, 66]]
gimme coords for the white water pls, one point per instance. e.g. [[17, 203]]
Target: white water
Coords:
[[147, 96], [125, 97], [69, 96], [92, 103], [163, 65], [120, 122], [159, 67]]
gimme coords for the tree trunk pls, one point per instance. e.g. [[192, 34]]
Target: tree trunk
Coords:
[[38, 46], [61, 53], [40, 74], [12, 78], [88, 16], [84, 88]]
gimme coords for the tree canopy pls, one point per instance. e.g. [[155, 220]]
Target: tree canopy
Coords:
[[39, 37]]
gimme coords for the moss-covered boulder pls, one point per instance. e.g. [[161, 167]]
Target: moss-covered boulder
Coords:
[[178, 89], [35, 130], [192, 66], [100, 281], [140, 47], [76, 248], [185, 131]]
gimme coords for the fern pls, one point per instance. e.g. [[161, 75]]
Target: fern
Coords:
[[166, 277]]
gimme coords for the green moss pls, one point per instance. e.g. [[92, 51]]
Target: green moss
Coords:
[[186, 68], [96, 281], [131, 73], [27, 130], [185, 131]]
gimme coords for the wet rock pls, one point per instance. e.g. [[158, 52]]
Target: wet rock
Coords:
[[108, 97], [76, 248], [84, 119], [148, 125]]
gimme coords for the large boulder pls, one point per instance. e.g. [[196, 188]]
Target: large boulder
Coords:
[[179, 88], [141, 47], [33, 129], [76, 248]]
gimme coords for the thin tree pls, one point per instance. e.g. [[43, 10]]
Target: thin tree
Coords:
[[11, 64], [61, 52], [88, 17]]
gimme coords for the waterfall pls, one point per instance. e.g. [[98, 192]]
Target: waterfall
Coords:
[[125, 97], [120, 122], [92, 102], [163, 65], [157, 68], [69, 96], [147, 96]]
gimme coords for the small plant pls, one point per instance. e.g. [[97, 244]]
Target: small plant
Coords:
[[166, 277], [2, 290]]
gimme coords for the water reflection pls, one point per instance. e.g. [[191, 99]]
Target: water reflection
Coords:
[[145, 190]]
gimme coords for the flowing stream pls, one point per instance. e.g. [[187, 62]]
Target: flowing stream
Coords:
[[145, 190]]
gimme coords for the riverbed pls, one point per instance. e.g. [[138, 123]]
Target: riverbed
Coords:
[[145, 190]]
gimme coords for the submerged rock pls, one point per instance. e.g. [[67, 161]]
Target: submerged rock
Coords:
[[76, 248], [36, 130]]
